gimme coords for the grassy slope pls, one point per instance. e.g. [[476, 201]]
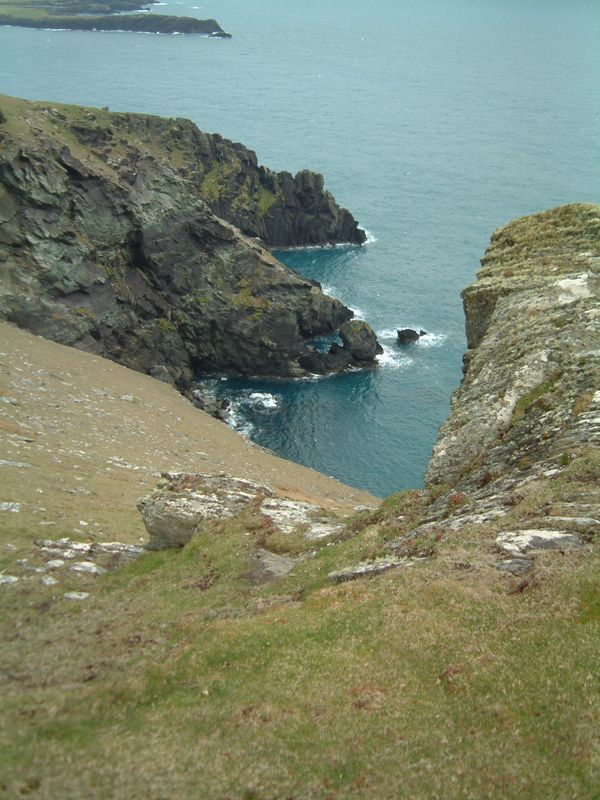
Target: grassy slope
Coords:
[[180, 676]]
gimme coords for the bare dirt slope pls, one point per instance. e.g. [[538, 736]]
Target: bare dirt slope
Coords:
[[94, 437]]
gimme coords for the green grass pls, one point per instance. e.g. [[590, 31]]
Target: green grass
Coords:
[[181, 677]]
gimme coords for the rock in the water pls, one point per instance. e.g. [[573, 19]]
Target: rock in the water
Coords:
[[409, 336], [217, 408], [360, 340], [359, 349]]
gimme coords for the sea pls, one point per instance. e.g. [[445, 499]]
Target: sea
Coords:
[[435, 122]]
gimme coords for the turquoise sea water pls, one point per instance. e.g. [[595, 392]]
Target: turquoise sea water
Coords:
[[434, 122]]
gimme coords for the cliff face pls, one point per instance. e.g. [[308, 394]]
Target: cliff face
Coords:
[[281, 209], [107, 243], [529, 399]]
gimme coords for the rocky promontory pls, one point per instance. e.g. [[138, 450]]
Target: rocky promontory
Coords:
[[110, 243], [530, 394], [106, 15]]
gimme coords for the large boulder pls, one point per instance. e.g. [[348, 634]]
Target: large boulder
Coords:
[[360, 340], [184, 502]]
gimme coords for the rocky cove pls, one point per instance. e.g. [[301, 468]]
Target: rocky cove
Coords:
[[169, 588]]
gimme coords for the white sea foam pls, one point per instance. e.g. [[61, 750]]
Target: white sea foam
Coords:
[[264, 399], [392, 358], [371, 239], [236, 421], [427, 340], [433, 339]]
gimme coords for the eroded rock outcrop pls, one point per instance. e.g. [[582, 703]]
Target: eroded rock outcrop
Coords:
[[108, 242], [184, 503], [530, 394]]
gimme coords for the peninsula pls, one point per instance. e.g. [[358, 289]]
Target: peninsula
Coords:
[[106, 15], [135, 237]]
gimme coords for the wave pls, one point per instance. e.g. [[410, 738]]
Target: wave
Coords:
[[237, 421], [426, 340], [371, 238], [264, 399], [392, 358]]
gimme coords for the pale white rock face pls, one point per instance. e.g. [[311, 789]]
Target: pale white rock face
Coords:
[[533, 332], [292, 516], [173, 513], [519, 542], [88, 567], [573, 289]]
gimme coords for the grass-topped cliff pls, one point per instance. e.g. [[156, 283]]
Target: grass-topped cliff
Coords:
[[107, 15], [241, 665], [118, 235]]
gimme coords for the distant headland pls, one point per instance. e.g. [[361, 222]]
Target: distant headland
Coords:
[[106, 15]]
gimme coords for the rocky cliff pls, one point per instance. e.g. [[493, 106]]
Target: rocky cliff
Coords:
[[109, 242], [529, 397], [516, 461], [106, 15]]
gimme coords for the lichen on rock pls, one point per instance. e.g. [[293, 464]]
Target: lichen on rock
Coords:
[[529, 396]]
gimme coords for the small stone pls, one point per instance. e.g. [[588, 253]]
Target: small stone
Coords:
[[88, 567], [369, 568], [128, 398], [76, 595], [16, 464], [55, 563], [9, 400], [7, 506], [516, 566], [48, 580], [8, 580]]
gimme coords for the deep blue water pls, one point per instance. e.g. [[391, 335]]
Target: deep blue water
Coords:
[[434, 122]]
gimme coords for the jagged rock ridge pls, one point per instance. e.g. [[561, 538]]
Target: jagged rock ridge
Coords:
[[109, 244]]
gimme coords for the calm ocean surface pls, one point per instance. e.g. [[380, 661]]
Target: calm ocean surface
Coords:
[[434, 122]]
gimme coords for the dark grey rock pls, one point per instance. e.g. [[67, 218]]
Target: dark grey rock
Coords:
[[409, 336]]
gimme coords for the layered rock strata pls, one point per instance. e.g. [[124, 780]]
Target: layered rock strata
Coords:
[[516, 461], [530, 393], [108, 242]]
